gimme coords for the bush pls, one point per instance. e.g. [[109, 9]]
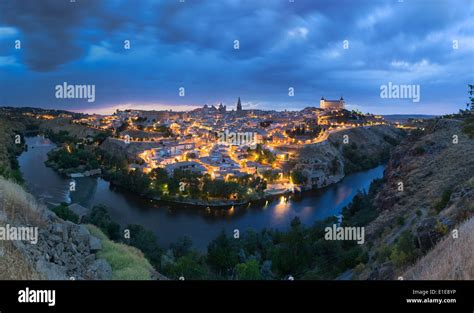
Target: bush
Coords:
[[99, 216], [360, 211], [404, 251], [65, 213], [12, 174], [222, 253], [468, 127], [383, 253], [190, 267], [248, 271], [441, 204], [441, 228], [359, 268], [298, 178], [145, 240]]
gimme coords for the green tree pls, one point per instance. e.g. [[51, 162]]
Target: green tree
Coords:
[[292, 255], [404, 251], [145, 240], [182, 246], [298, 177], [248, 271], [99, 216], [190, 267], [65, 213], [470, 104], [222, 253]]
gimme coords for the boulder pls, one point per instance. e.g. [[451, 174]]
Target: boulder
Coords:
[[95, 244], [100, 270], [51, 271]]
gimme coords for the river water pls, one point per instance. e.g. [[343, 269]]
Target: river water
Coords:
[[168, 221]]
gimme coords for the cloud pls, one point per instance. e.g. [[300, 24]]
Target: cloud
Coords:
[[299, 32], [191, 44], [8, 60], [8, 32], [48, 29]]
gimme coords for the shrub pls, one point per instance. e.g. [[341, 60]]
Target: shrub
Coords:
[[298, 177], [468, 127], [441, 228], [404, 251], [359, 268], [248, 271], [99, 216], [12, 174], [383, 253], [189, 266], [65, 213], [145, 240], [441, 204]]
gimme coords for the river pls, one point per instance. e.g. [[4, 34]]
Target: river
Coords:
[[170, 222]]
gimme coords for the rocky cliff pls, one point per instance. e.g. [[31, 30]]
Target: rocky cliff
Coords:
[[63, 250], [346, 151], [428, 191], [116, 146]]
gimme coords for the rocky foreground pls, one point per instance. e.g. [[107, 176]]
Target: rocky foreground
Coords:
[[63, 250], [427, 197]]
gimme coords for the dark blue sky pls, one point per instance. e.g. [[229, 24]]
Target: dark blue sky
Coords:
[[282, 45]]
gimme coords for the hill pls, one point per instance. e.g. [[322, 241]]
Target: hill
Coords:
[[427, 192]]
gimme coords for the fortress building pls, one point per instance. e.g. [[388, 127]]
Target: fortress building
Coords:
[[331, 105]]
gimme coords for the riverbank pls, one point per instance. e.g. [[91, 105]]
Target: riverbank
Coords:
[[171, 221]]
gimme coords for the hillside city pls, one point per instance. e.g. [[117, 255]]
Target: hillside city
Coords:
[[226, 143]]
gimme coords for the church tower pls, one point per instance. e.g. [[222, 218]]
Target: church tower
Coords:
[[239, 106]]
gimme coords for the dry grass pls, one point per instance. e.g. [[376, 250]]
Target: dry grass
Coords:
[[451, 259], [19, 206], [13, 265]]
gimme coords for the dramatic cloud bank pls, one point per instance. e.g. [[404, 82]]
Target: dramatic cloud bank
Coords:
[[319, 48]]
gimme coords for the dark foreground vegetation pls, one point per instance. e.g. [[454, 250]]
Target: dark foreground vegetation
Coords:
[[301, 251]]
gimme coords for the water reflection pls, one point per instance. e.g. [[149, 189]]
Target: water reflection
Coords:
[[281, 209], [342, 194]]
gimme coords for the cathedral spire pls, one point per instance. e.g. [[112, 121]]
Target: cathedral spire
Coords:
[[239, 105]]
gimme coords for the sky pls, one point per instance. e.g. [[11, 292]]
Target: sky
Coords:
[[274, 54]]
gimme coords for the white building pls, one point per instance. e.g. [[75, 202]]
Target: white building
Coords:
[[331, 105]]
